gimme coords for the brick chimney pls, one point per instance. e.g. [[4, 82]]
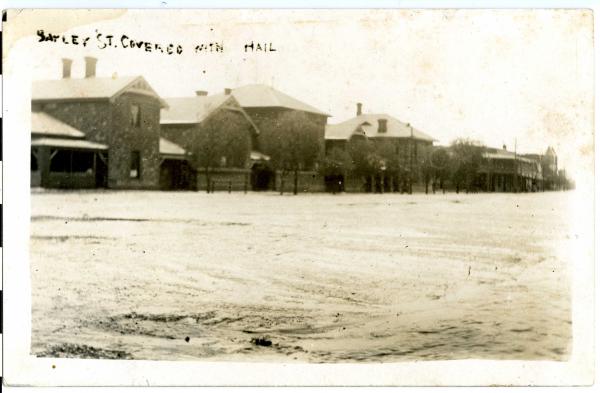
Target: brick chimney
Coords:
[[66, 68], [382, 127], [358, 108], [201, 93], [90, 66], [227, 91]]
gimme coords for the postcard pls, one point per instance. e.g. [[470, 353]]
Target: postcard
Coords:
[[298, 197]]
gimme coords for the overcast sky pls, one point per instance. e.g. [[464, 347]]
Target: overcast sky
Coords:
[[494, 76]]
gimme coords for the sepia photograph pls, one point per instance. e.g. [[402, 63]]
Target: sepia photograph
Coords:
[[306, 187]]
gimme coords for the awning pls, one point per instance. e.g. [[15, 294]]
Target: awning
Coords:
[[258, 156], [171, 150], [76, 144], [46, 125]]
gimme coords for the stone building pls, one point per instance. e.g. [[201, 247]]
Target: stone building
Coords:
[[400, 148], [220, 139], [270, 110], [121, 113]]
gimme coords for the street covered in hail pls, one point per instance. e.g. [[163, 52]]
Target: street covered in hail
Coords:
[[310, 278]]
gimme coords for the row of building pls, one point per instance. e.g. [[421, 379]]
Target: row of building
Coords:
[[118, 133]]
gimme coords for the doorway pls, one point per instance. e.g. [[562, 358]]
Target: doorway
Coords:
[[262, 177]]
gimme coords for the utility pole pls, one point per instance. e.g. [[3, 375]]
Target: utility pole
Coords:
[[411, 144]]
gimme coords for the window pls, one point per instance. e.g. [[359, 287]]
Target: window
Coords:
[[60, 160], [34, 161], [82, 161], [382, 126], [135, 165], [71, 161], [136, 115]]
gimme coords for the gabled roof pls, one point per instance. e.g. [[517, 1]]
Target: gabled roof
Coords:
[[168, 148], [69, 89], [263, 96], [44, 124], [368, 124], [191, 110]]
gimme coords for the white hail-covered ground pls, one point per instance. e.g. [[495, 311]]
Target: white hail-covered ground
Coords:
[[320, 278]]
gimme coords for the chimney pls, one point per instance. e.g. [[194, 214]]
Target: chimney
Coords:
[[201, 93], [66, 68], [90, 66], [227, 91], [358, 108], [382, 125]]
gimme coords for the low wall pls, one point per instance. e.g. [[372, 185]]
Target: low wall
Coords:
[[308, 181], [354, 184], [68, 180], [225, 179]]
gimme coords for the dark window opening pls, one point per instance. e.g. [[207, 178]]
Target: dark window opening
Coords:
[[34, 162], [82, 161], [136, 115], [60, 161], [68, 161], [135, 165]]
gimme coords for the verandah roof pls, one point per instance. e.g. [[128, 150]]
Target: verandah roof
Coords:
[[44, 124], [76, 144]]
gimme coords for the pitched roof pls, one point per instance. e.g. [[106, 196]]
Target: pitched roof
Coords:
[[79, 144], [191, 110], [89, 88], [367, 124], [43, 123], [166, 147], [263, 96]]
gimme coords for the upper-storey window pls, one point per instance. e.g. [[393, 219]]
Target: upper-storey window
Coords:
[[136, 115]]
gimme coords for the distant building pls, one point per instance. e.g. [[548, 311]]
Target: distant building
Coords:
[[117, 115], [550, 161], [506, 171], [550, 172], [220, 139], [408, 145]]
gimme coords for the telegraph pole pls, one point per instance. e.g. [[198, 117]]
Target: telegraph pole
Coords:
[[410, 182]]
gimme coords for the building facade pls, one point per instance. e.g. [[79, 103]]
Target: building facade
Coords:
[[506, 171], [121, 113], [219, 138], [276, 114], [393, 153]]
